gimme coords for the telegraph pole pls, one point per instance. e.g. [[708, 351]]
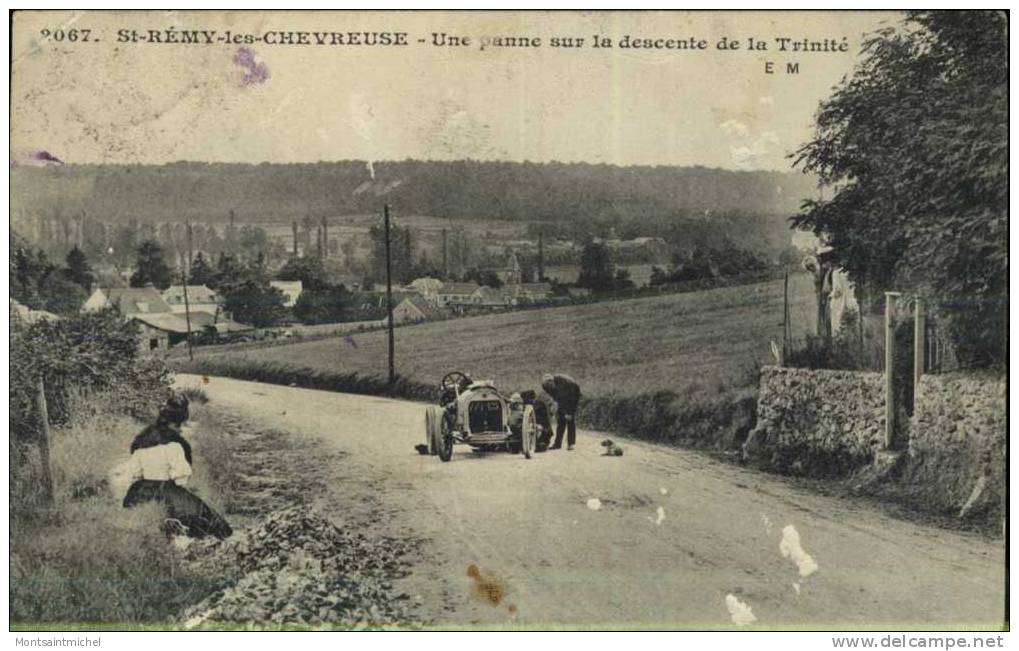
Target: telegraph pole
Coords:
[[184, 284], [325, 237], [541, 256], [187, 232], [389, 299], [445, 267], [891, 304]]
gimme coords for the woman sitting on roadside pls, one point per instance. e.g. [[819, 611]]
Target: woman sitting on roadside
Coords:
[[160, 467]]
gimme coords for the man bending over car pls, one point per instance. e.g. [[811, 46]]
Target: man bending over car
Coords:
[[566, 393]]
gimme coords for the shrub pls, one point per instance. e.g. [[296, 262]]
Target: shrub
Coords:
[[323, 305], [85, 354]]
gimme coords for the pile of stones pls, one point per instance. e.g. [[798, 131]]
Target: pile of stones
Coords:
[[295, 568]]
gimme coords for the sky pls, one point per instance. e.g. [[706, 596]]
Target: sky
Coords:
[[110, 102]]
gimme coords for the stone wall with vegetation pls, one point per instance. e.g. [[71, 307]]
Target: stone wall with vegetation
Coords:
[[817, 422], [956, 456]]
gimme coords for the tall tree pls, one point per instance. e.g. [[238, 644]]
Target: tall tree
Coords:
[[325, 304], [150, 267], [401, 242], [309, 271], [596, 269], [78, 269], [124, 243], [202, 272], [914, 145], [28, 269], [229, 271]]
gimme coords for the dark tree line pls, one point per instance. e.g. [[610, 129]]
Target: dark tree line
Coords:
[[462, 189]]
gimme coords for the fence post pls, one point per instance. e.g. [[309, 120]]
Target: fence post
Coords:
[[890, 304], [785, 319], [919, 346], [44, 441]]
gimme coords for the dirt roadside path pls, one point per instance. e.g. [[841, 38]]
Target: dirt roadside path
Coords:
[[543, 556]]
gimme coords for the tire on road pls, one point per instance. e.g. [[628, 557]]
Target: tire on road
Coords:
[[444, 442], [528, 432]]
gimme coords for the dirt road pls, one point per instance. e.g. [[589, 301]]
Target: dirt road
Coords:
[[676, 532]]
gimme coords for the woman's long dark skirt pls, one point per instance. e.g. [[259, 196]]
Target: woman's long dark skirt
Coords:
[[180, 504]]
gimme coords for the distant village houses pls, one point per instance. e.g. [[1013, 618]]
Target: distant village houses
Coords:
[[159, 325], [415, 309], [456, 294]]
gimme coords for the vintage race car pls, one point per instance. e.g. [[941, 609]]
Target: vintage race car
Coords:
[[477, 414]]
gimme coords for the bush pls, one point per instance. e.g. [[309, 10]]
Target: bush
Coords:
[[325, 305], [86, 354]]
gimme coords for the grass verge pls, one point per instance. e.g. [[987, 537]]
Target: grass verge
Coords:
[[87, 560]]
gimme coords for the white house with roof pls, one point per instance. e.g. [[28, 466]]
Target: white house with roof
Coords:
[[199, 298], [415, 309], [428, 288], [451, 294], [486, 296], [291, 290], [129, 300], [158, 326]]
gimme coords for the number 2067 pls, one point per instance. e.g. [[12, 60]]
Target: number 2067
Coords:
[[69, 35]]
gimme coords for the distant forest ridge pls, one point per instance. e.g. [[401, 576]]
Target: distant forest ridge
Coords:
[[276, 193]]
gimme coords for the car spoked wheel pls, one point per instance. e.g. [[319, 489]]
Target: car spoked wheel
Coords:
[[445, 442], [528, 432]]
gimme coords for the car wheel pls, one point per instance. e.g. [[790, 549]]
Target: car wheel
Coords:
[[445, 442], [528, 432]]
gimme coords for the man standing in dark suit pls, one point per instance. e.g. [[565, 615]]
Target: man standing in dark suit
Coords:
[[566, 393]]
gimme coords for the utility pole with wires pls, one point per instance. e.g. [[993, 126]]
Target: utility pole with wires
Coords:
[[184, 285], [389, 299], [187, 232], [445, 258]]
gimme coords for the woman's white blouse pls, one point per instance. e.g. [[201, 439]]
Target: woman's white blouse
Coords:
[[161, 463]]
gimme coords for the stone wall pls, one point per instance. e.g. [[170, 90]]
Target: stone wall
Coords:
[[956, 455], [831, 424], [817, 422]]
